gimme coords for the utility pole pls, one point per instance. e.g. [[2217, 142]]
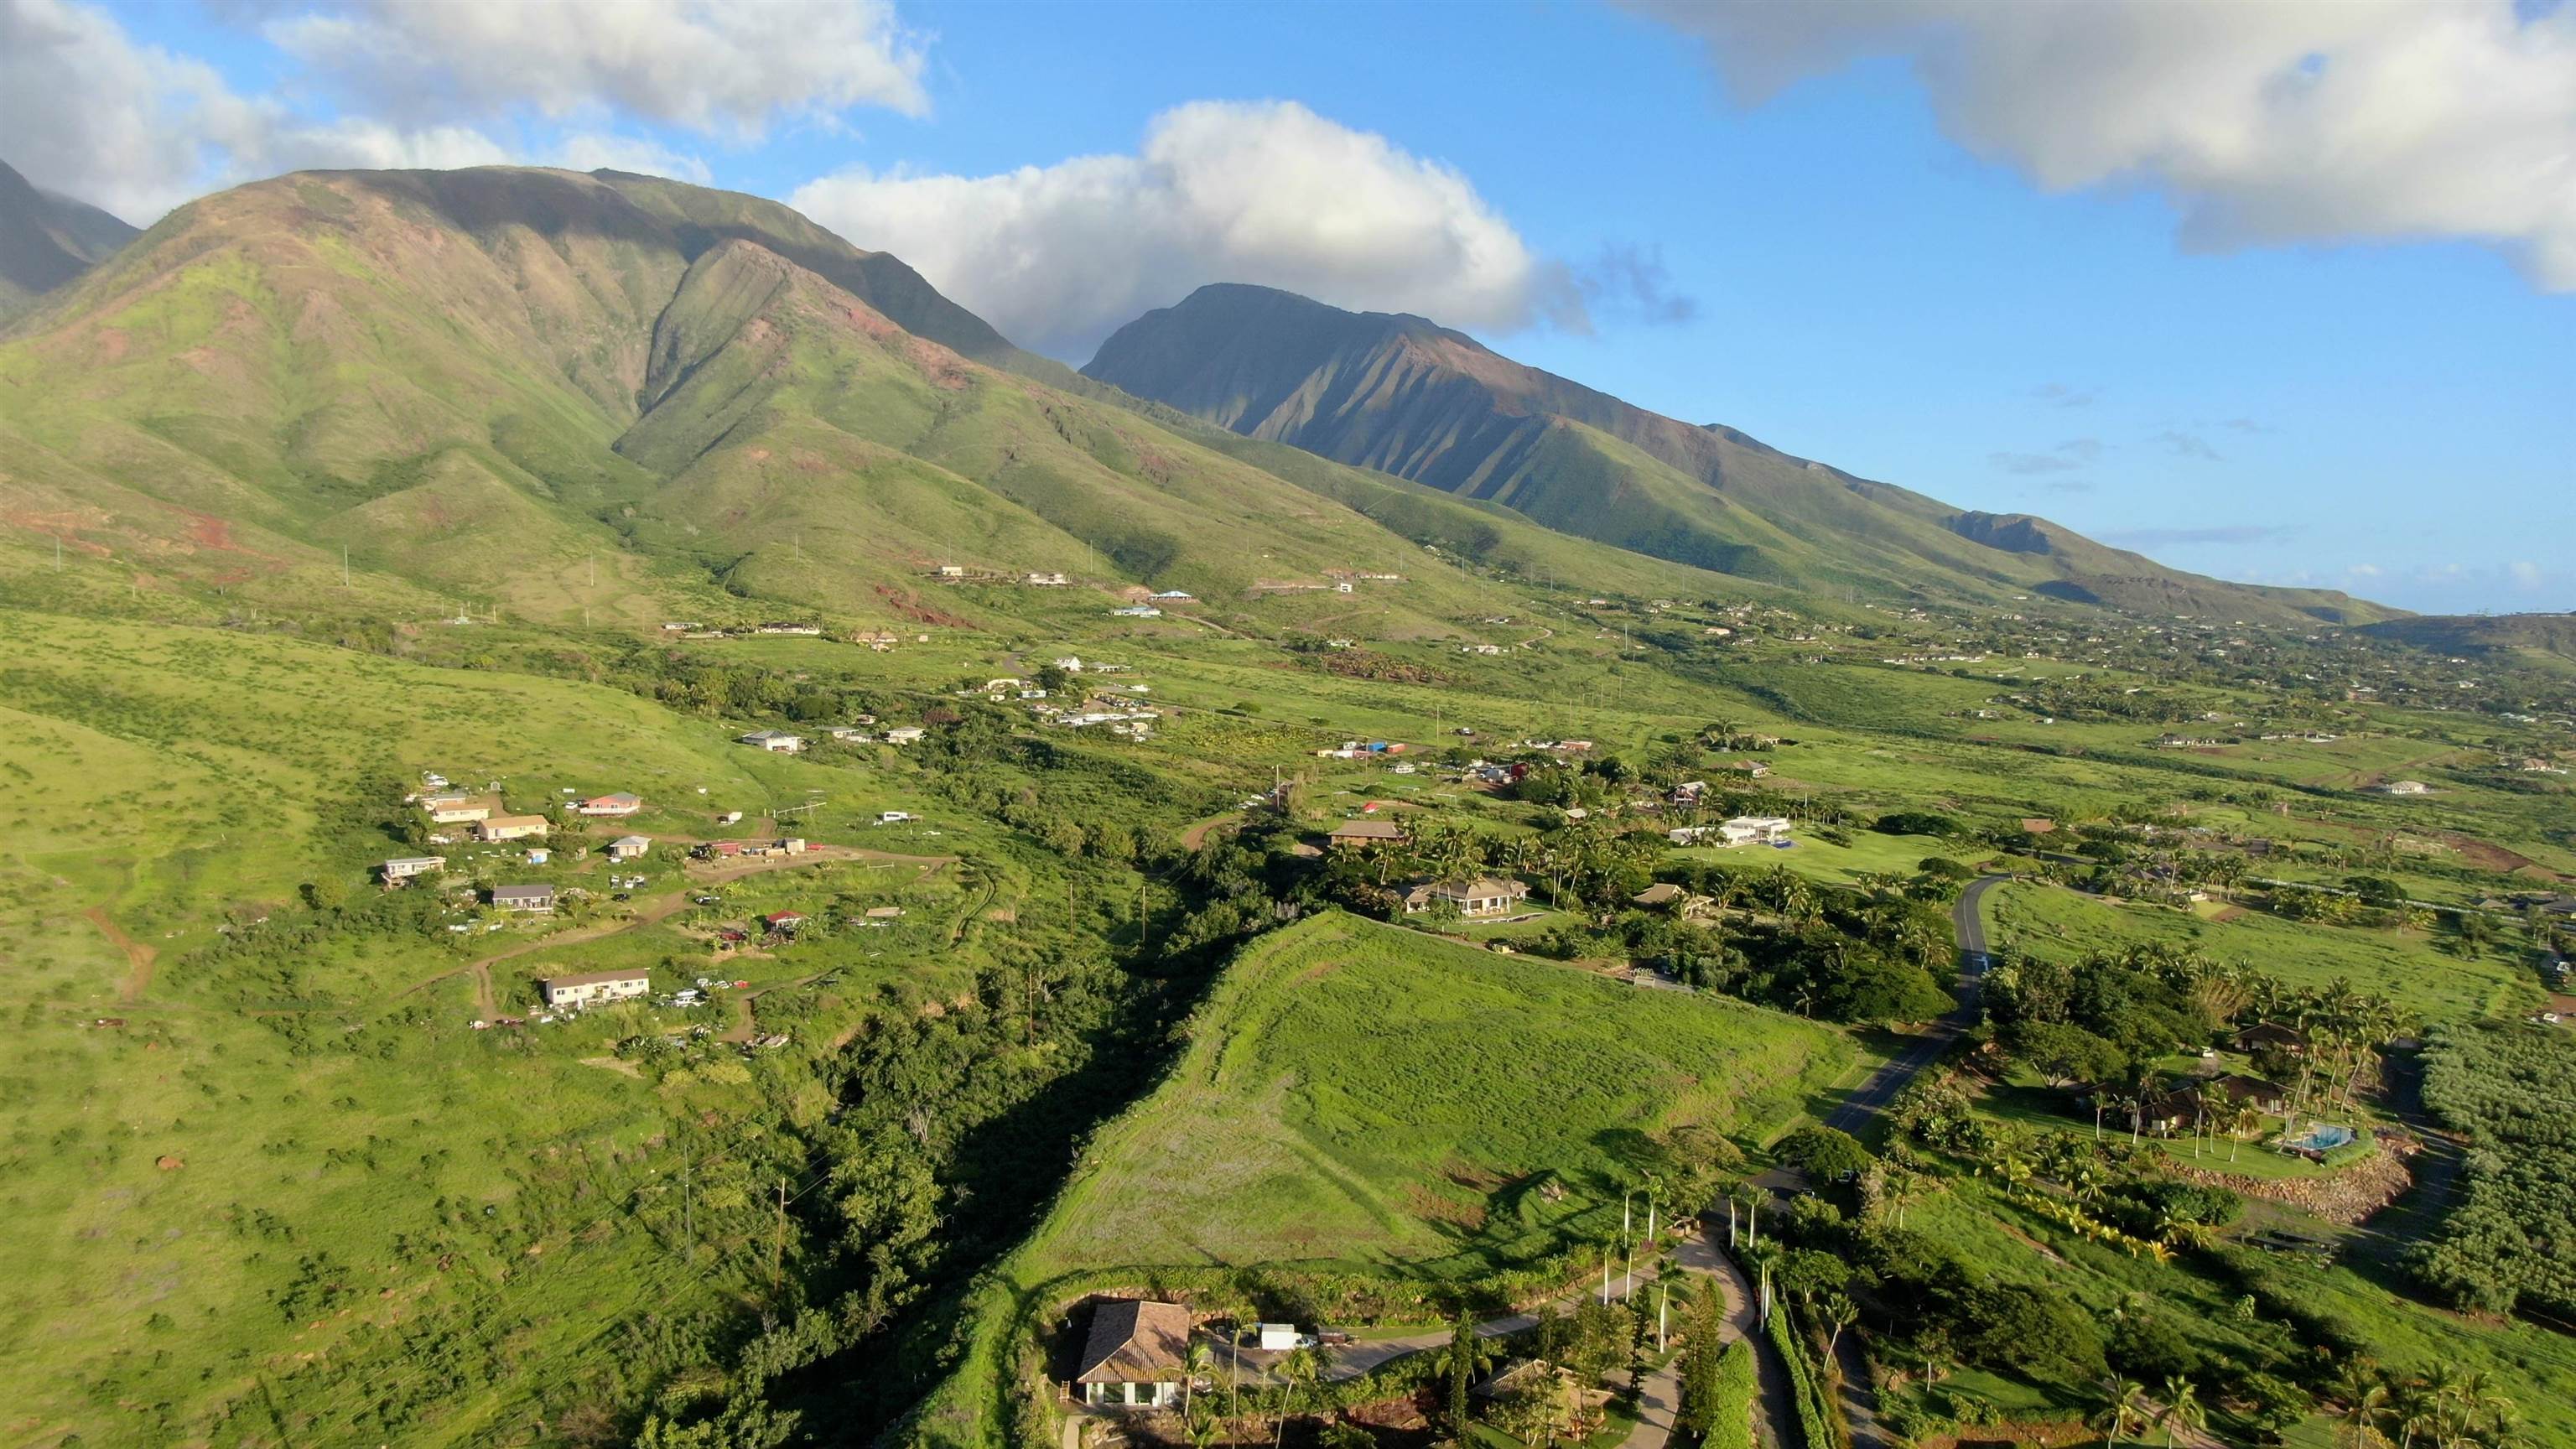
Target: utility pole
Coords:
[[344, 565], [778, 1245], [688, 1212], [58, 553]]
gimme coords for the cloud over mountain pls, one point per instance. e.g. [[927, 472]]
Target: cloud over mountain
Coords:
[[2262, 123], [703, 64], [87, 109], [1268, 192]]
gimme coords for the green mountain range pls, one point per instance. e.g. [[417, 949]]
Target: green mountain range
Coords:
[[46, 240], [1407, 396], [614, 398], [611, 397]]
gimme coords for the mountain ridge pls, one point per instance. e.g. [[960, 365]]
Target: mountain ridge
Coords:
[[48, 240], [1399, 393]]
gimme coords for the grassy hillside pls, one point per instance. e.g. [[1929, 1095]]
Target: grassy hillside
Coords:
[[1358, 1104], [1360, 1093]]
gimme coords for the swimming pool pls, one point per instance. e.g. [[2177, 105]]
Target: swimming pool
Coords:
[[2323, 1137]]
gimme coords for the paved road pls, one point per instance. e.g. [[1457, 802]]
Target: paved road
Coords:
[[1890, 1079], [1661, 1398], [1859, 1399]]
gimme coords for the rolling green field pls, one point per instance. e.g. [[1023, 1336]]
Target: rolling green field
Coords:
[[2407, 967], [1369, 1095]]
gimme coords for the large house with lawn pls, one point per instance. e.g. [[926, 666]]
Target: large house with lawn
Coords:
[[1482, 898], [1137, 1354], [776, 742], [618, 805], [455, 809]]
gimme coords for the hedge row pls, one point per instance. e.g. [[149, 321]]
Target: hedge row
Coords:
[[1815, 1415]]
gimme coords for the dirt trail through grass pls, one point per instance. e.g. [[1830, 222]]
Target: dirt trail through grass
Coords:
[[137, 955]]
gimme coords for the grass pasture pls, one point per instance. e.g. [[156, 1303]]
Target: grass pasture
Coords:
[[1367, 1095]]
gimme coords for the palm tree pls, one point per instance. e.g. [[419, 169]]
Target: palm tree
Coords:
[[2122, 1409], [2364, 1396], [1198, 1361], [2182, 1409], [1301, 1368]]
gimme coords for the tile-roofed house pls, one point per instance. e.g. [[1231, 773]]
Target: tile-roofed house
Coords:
[[783, 922], [455, 809], [1137, 1354], [591, 988], [524, 897], [619, 804]]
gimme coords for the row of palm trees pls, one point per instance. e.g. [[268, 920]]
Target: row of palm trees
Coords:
[[2126, 1410]]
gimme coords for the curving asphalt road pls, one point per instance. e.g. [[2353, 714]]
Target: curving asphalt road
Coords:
[[1890, 1079]]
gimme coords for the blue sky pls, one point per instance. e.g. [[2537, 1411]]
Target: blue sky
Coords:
[[2247, 336]]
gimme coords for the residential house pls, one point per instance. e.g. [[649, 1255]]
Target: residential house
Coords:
[[1749, 829], [2271, 1035], [777, 742], [1137, 611], [618, 805], [2405, 787], [403, 869], [510, 827], [455, 809], [1367, 834], [1137, 1354], [1479, 899], [783, 923], [595, 988], [1688, 792], [2161, 1112], [539, 899], [2265, 1097], [904, 735], [629, 847], [1043, 580], [1176, 596], [850, 734]]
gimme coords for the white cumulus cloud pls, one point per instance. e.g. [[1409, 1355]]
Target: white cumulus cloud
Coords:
[[706, 64], [2263, 122], [88, 111], [1266, 192]]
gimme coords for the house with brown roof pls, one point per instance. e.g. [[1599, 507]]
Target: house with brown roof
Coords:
[[2271, 1035], [1136, 1356], [2254, 1092], [1367, 834], [455, 809]]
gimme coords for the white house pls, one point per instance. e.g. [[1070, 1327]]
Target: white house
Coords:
[[620, 804], [777, 742], [629, 847], [903, 734], [408, 866], [1750, 828], [595, 988]]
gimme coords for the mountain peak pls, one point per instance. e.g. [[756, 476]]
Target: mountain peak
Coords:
[[1402, 394]]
